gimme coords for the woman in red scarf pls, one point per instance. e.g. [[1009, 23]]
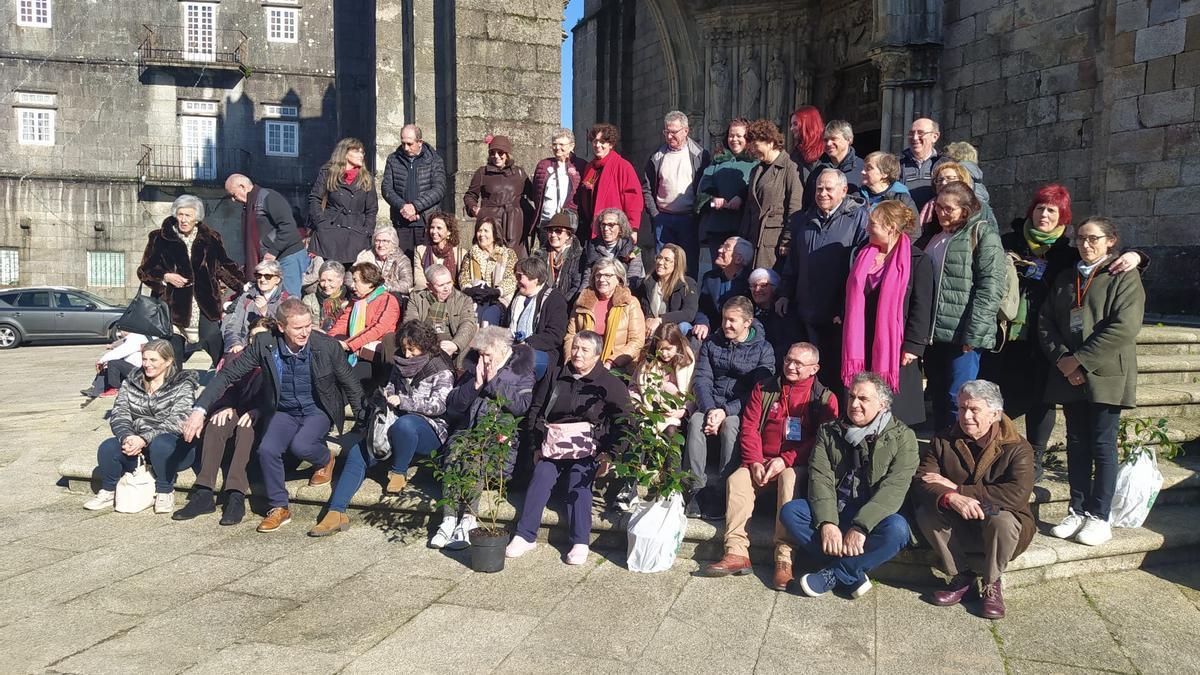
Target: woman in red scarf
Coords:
[[609, 181], [342, 205], [888, 317]]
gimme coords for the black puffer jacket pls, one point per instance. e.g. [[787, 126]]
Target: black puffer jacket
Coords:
[[599, 398], [430, 173], [342, 221]]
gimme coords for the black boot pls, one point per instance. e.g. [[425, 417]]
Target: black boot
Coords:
[[1039, 452], [235, 508], [200, 504]]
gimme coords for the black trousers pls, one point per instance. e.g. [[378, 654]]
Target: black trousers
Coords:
[[1092, 456], [112, 376], [210, 341]]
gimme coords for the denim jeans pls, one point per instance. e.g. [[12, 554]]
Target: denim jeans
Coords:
[[883, 542], [680, 229], [293, 272], [1092, 456], [409, 435], [304, 435], [166, 454], [541, 361], [947, 367]]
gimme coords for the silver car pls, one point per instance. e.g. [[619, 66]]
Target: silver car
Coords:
[[55, 313]]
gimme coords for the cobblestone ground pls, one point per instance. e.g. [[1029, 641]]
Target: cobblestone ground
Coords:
[[84, 592]]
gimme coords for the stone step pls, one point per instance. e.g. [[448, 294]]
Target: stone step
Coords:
[[1182, 430], [1168, 340], [1168, 369]]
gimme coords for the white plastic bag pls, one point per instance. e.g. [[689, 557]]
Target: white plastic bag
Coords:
[[1138, 483], [135, 490], [655, 534]]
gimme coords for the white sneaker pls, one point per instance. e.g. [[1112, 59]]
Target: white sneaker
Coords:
[[104, 499], [164, 502], [578, 554], [1069, 527], [518, 547], [444, 532], [862, 588], [1094, 532], [461, 538]]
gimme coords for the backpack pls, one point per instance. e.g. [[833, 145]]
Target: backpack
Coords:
[[1009, 309]]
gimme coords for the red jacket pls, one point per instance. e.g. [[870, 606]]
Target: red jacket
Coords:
[[761, 446], [383, 315], [619, 188]]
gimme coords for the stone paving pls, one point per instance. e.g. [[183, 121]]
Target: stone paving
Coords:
[[83, 592]]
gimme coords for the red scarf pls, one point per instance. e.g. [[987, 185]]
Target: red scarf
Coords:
[[250, 241], [889, 314], [594, 168], [350, 175]]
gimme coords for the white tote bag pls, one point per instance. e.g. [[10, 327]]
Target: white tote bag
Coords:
[[655, 534], [135, 490], [1138, 483]]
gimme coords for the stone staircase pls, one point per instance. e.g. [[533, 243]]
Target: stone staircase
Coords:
[[1170, 534]]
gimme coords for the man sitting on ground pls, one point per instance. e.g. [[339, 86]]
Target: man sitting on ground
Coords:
[[450, 311]]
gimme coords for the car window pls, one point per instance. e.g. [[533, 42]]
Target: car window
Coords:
[[72, 300], [8, 299], [34, 299]]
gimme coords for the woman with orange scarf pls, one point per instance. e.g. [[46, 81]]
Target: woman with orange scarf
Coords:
[[608, 308]]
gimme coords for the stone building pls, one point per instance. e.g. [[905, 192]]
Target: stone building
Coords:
[[1098, 95]]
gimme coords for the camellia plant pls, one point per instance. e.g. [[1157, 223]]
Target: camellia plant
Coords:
[[1136, 434], [653, 458], [472, 464]]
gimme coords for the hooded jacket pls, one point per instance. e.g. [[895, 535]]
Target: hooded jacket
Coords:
[[969, 286], [727, 371], [207, 266]]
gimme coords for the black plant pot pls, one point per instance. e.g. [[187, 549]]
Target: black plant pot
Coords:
[[487, 550]]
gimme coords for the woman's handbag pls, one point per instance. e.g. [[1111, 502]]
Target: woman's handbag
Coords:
[[146, 315], [570, 440], [382, 418], [135, 490]]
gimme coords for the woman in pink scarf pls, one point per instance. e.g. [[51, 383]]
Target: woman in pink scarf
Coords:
[[889, 309]]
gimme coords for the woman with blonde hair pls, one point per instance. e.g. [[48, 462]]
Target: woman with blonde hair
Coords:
[[943, 175], [342, 205], [668, 295]]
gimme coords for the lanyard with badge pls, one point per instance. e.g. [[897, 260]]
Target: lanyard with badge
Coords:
[[793, 428], [1077, 310]]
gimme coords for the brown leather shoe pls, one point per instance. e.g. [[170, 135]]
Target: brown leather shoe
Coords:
[[783, 575], [953, 594], [396, 483], [332, 523], [730, 564], [323, 475], [993, 601], [276, 518]]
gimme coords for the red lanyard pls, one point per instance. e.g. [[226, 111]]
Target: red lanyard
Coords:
[[1080, 293]]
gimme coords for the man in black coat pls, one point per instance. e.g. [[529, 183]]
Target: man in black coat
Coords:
[[413, 184], [269, 231], [537, 315], [306, 387]]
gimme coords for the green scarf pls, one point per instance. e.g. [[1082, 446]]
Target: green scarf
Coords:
[[1040, 242]]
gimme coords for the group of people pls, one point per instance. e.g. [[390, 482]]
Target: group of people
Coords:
[[838, 287]]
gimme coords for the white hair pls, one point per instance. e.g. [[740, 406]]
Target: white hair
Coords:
[[269, 267], [563, 133], [983, 390], [837, 173], [188, 202], [743, 249], [763, 274], [675, 116]]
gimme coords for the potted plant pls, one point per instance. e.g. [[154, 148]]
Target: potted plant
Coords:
[[472, 464]]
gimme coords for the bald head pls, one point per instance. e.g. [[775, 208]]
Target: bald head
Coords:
[[410, 139], [923, 136], [238, 186]]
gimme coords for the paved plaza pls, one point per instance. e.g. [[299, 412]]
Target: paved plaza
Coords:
[[84, 592]]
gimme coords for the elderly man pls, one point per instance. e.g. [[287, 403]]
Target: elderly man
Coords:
[[414, 183], [818, 263], [450, 311], [859, 475], [972, 495], [269, 231], [919, 161], [839, 154], [779, 429], [764, 284], [556, 178], [308, 384], [669, 184], [728, 367], [728, 278]]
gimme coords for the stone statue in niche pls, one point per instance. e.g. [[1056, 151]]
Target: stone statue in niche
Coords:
[[751, 86], [719, 101], [776, 73]]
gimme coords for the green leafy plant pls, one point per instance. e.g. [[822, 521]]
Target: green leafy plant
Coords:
[[1136, 434], [472, 464], [652, 458]]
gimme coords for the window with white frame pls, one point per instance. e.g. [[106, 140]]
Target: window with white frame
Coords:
[[198, 147], [35, 126], [283, 138], [275, 110], [198, 107], [34, 13], [282, 24], [106, 268], [199, 31], [10, 266]]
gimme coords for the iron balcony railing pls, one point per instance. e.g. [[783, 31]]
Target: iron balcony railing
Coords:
[[189, 164], [192, 47]]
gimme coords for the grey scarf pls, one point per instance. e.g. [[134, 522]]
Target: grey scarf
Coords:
[[856, 435]]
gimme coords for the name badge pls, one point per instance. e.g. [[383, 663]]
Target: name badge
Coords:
[[1037, 269], [1077, 320], [795, 430]]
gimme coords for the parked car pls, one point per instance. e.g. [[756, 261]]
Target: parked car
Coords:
[[55, 313]]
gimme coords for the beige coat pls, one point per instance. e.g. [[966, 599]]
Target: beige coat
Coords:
[[624, 340]]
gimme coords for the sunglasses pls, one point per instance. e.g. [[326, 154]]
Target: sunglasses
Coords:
[[260, 275]]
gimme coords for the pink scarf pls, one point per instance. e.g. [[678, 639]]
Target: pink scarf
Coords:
[[889, 314]]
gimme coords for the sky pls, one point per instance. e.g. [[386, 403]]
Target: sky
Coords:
[[573, 14]]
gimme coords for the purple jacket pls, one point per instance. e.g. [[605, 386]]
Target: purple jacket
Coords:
[[575, 169]]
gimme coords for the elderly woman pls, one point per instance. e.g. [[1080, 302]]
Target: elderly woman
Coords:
[[609, 181], [441, 247], [501, 190], [261, 299], [667, 296], [495, 369], [420, 382], [538, 314], [329, 299], [385, 254], [236, 418], [889, 296], [972, 492], [721, 193], [881, 181], [1088, 328], [146, 421], [614, 239], [563, 254], [185, 264], [608, 308], [774, 194], [375, 313], [487, 275], [342, 205], [968, 264], [577, 416], [556, 178]]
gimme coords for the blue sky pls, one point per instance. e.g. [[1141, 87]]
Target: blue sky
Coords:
[[573, 13]]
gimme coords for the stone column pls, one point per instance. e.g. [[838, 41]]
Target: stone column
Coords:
[[907, 78]]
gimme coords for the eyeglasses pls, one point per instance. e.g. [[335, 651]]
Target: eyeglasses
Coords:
[[609, 224], [606, 275], [761, 284], [260, 275], [556, 232], [794, 362], [920, 134], [669, 133], [1090, 240]]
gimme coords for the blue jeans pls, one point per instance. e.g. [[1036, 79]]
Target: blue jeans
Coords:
[[947, 367], [409, 435], [680, 229], [1092, 456], [541, 361], [883, 543], [167, 454], [293, 272]]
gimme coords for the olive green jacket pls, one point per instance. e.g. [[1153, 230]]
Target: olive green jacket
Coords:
[[1107, 347], [970, 286], [892, 460]]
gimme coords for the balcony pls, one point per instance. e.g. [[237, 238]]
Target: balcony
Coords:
[[191, 164], [191, 48]]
